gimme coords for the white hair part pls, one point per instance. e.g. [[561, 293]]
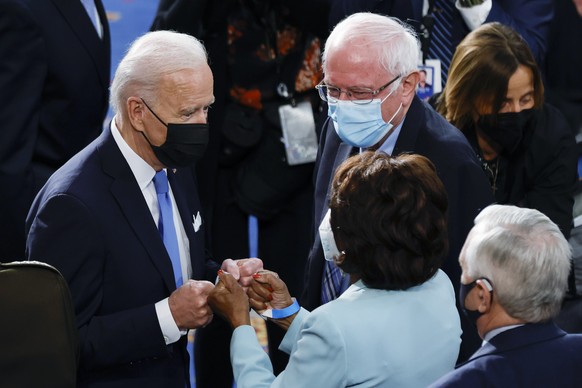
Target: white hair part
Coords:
[[526, 257], [150, 57], [396, 43]]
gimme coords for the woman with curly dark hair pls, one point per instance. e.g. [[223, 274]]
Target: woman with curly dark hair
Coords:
[[396, 325]]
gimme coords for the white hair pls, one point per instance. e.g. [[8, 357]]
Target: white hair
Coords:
[[150, 57], [397, 48], [524, 255]]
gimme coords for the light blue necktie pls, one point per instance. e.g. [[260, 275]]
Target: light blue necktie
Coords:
[[166, 224]]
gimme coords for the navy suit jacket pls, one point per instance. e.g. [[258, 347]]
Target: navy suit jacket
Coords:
[[530, 18], [424, 132], [533, 355], [92, 223], [427, 133], [54, 97]]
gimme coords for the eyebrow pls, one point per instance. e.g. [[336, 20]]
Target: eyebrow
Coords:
[[349, 87], [531, 92]]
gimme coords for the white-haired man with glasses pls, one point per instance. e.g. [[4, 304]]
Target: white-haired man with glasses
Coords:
[[515, 266], [370, 77]]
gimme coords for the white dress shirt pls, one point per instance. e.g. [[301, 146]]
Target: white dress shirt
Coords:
[[144, 175]]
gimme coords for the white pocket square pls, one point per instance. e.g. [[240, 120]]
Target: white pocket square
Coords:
[[197, 221]]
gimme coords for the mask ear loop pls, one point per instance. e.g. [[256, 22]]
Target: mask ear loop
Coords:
[[488, 286], [154, 113], [385, 98], [339, 259]]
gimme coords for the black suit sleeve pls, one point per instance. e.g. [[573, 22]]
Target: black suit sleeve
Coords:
[[552, 162], [22, 77], [186, 16], [64, 233]]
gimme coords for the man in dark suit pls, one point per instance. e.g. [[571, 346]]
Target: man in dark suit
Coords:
[[530, 18], [127, 245], [515, 266], [53, 98], [370, 81], [264, 57]]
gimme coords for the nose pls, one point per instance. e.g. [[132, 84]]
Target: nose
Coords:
[[514, 107], [343, 93]]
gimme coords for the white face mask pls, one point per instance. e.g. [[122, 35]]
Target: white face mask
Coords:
[[360, 125], [330, 250]]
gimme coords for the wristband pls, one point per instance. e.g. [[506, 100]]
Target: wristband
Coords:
[[282, 313]]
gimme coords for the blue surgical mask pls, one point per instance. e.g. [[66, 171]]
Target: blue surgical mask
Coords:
[[360, 125]]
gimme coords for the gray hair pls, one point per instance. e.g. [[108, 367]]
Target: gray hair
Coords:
[[525, 256], [150, 57], [397, 47]]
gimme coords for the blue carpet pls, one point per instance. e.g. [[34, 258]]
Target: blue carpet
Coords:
[[128, 19]]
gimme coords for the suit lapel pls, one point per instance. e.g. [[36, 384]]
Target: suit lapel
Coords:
[[342, 154], [183, 203], [128, 195], [105, 55], [518, 337], [410, 128], [99, 50]]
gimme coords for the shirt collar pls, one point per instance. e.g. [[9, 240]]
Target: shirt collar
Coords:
[[143, 172], [388, 146], [498, 331]]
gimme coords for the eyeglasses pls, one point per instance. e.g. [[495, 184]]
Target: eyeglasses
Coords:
[[360, 96]]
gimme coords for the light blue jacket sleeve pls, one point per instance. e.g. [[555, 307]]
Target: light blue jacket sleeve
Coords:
[[318, 355]]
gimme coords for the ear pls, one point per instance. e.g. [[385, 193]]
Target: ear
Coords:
[[135, 112], [409, 84], [485, 296], [340, 259]]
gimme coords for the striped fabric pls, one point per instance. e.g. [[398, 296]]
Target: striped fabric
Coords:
[[441, 46], [331, 286]]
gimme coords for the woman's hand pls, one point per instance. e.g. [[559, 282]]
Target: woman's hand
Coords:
[[228, 299], [268, 291]]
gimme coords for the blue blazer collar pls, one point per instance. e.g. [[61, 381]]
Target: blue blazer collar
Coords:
[[125, 190], [519, 337]]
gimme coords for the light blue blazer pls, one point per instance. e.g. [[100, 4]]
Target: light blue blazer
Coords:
[[365, 338]]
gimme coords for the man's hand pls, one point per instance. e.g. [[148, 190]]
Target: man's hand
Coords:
[[189, 306], [229, 300], [242, 270]]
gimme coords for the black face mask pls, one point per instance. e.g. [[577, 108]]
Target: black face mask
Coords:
[[464, 289], [506, 129], [184, 145]]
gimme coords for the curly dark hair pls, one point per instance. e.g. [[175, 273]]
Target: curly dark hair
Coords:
[[389, 216]]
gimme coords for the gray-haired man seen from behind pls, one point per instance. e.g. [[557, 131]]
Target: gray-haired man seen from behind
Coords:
[[515, 266]]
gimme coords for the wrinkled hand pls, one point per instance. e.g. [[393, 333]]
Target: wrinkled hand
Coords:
[[229, 300], [267, 290], [243, 269], [189, 306]]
